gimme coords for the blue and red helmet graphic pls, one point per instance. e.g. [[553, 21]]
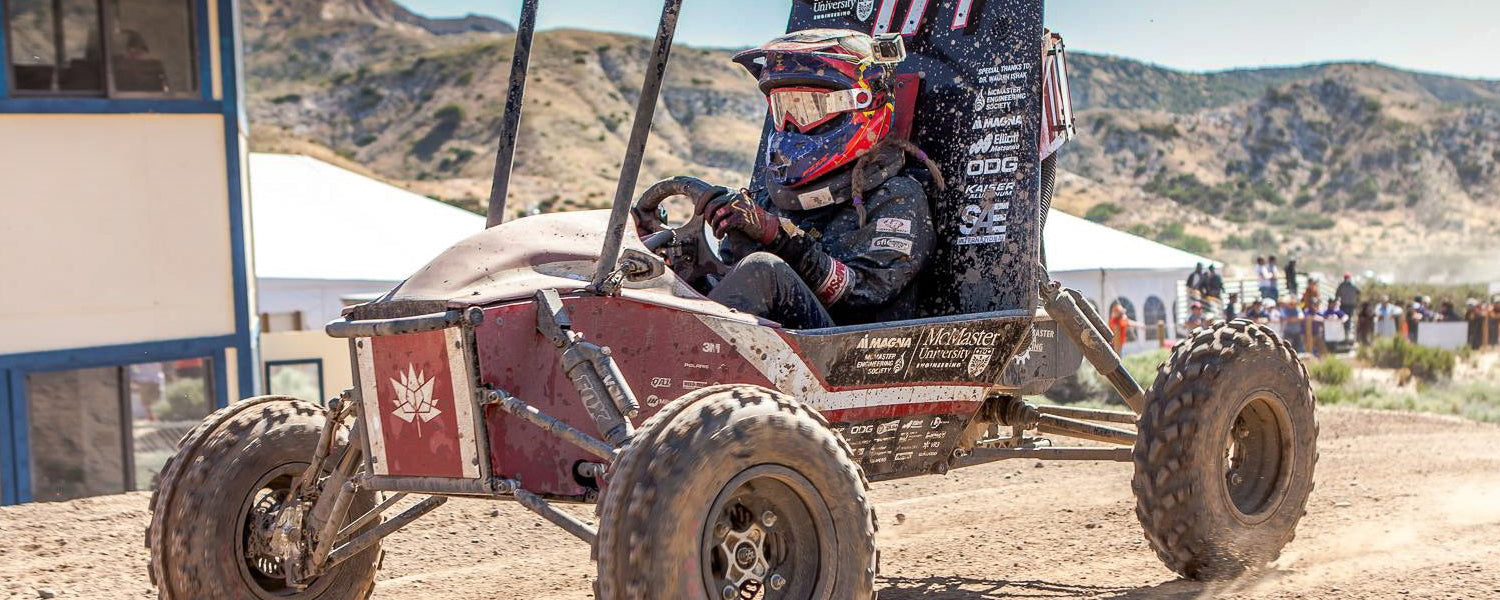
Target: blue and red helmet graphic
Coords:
[[816, 132]]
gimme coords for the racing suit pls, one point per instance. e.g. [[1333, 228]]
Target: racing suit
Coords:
[[832, 265]]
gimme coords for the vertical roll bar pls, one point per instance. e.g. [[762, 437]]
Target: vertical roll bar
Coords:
[[636, 147], [511, 123]]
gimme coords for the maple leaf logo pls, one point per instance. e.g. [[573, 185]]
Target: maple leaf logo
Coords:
[[414, 398]]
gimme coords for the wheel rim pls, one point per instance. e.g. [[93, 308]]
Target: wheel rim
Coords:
[[768, 536], [1257, 457], [260, 568]]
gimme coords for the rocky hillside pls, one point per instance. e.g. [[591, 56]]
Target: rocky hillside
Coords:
[[1348, 165]]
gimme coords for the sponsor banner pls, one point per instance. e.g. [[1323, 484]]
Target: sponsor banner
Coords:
[[895, 446], [965, 352]]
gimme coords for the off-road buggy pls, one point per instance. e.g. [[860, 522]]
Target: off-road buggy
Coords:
[[560, 359]]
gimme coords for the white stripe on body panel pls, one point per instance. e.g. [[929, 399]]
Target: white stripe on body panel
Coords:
[[774, 358], [884, 17], [463, 402], [368, 396], [961, 14], [914, 16]]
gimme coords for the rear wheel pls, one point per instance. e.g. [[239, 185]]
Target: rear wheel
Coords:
[[220, 494], [735, 492], [1225, 456]]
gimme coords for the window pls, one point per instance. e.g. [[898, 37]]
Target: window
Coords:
[[301, 379], [114, 48], [281, 321], [111, 429], [1156, 314]]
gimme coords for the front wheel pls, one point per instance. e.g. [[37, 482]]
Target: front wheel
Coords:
[[1225, 455], [739, 492], [221, 492]]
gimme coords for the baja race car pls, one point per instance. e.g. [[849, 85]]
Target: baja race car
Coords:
[[563, 358]]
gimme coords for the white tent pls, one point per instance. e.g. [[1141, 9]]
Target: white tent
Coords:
[[323, 233], [1108, 265]]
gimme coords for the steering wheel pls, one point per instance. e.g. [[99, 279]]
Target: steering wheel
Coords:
[[686, 248]]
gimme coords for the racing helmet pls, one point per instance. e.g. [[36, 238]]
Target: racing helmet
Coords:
[[830, 97]]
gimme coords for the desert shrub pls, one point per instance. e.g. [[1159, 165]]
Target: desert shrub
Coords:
[[451, 113], [1103, 212], [1429, 364], [1330, 371], [1166, 131]]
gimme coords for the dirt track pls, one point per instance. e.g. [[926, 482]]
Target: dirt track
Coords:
[[1407, 506]]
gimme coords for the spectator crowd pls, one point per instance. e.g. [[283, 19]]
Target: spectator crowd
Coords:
[[1294, 304]]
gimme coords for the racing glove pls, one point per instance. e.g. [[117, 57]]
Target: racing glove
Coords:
[[737, 211]]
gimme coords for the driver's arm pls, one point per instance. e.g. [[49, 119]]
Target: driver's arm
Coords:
[[878, 260]]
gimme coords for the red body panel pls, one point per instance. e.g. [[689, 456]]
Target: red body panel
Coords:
[[663, 353], [419, 425]]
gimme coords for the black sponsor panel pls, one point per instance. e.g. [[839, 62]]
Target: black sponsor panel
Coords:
[[898, 446], [970, 351], [977, 112]]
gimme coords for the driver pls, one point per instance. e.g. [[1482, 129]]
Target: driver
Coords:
[[839, 233]]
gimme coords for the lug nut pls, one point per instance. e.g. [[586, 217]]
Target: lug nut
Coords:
[[768, 519], [730, 592], [777, 581]]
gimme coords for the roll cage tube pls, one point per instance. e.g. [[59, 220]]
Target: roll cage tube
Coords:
[[635, 148]]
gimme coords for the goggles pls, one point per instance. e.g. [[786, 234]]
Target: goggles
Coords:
[[806, 108]]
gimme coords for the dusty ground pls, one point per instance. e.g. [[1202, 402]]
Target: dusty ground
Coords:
[[1407, 506]]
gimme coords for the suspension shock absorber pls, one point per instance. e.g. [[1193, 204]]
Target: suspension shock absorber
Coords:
[[602, 388]]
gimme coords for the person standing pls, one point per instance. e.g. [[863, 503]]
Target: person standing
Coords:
[[1347, 295], [1291, 275], [1365, 333], [1120, 325], [1229, 307], [1312, 293], [1475, 318], [1414, 316], [1263, 278], [1213, 284], [1195, 282]]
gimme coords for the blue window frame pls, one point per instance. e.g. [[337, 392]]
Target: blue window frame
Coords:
[[159, 58], [301, 379], [15, 443]]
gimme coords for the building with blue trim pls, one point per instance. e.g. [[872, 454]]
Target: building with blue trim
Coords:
[[126, 295]]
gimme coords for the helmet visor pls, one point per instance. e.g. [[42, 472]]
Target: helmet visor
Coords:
[[807, 108]]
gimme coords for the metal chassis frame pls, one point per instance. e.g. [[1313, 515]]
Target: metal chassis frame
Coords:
[[1075, 318]]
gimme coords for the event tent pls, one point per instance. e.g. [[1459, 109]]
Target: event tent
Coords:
[[323, 234], [1108, 265]]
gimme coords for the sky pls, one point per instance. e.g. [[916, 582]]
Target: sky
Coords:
[[1457, 37]]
